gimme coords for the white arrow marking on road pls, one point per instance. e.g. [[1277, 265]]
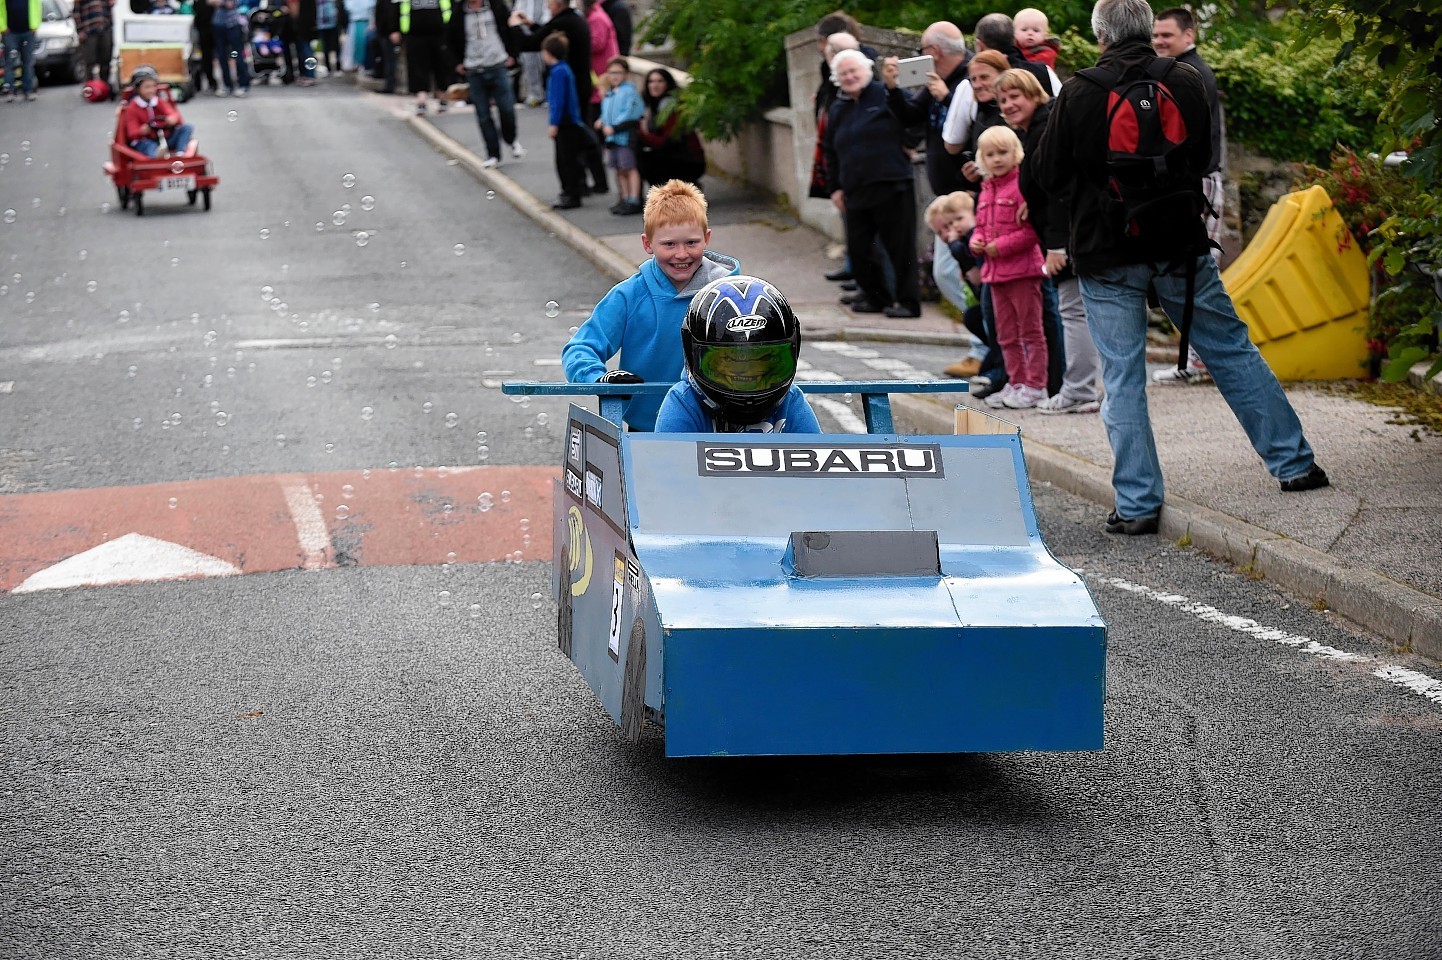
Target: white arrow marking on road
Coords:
[[1418, 683], [311, 532], [133, 558]]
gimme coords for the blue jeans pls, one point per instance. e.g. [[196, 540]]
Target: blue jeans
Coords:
[[1116, 310], [487, 84], [230, 49], [20, 52], [178, 138]]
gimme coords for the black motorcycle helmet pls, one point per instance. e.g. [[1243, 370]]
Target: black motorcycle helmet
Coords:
[[741, 340]]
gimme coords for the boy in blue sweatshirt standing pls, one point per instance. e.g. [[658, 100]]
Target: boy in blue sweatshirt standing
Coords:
[[641, 316], [570, 136]]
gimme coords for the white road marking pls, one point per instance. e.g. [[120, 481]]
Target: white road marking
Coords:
[[844, 415], [133, 558], [7, 386], [1418, 683], [310, 528], [546, 362], [843, 348], [805, 371], [897, 368]]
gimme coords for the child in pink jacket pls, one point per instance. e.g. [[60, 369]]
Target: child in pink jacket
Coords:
[[1013, 270]]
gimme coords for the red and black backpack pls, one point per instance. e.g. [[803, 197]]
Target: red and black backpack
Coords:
[[1148, 182]]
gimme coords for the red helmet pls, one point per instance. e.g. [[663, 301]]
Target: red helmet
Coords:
[[94, 91]]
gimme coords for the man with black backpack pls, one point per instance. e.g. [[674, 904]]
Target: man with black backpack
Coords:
[[1128, 141]]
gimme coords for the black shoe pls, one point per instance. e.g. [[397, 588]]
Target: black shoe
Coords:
[[849, 285], [839, 276], [847, 298], [862, 305], [563, 202], [599, 189], [1118, 524], [1311, 480], [897, 312]]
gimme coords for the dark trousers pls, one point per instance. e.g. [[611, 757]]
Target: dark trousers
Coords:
[[893, 223], [206, 70], [96, 49], [330, 48], [572, 142], [594, 159]]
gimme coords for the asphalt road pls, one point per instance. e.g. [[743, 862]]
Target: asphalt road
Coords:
[[339, 763]]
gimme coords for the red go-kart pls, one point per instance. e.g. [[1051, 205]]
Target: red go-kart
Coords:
[[134, 173]]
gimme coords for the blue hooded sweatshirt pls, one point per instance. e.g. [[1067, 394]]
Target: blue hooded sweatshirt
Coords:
[[641, 317]]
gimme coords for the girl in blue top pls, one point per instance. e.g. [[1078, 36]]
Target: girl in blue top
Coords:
[[621, 111]]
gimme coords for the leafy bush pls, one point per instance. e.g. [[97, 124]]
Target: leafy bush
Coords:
[[1292, 104], [1381, 206]]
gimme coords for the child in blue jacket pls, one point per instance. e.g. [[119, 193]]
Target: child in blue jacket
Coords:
[[641, 316], [570, 135], [621, 111]]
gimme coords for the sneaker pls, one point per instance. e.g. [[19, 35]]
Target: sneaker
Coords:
[[30, 98], [1060, 404], [243, 91], [1189, 374], [1311, 480], [420, 109], [217, 92], [964, 369], [442, 105], [998, 400], [1116, 523], [490, 163], [1024, 397], [517, 151]]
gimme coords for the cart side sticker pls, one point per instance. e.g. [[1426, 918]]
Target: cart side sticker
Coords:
[[573, 483], [633, 575], [618, 593], [912, 460], [593, 487], [573, 450], [579, 551]]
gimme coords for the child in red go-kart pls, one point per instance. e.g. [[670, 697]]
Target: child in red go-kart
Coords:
[[147, 116]]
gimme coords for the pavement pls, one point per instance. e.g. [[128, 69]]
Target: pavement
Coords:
[[1366, 548]]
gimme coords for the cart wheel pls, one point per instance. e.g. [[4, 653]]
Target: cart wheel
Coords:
[[191, 195], [124, 194], [139, 197], [206, 192]]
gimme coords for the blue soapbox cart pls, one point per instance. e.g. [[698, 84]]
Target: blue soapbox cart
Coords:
[[775, 594]]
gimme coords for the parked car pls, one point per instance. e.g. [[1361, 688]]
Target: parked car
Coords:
[[57, 54]]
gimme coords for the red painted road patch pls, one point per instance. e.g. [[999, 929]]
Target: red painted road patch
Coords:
[[262, 524]]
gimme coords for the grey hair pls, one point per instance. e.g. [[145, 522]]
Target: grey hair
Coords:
[[856, 55], [951, 46], [838, 42], [996, 31], [1119, 21]]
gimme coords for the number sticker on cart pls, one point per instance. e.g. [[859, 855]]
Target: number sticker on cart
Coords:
[[177, 183]]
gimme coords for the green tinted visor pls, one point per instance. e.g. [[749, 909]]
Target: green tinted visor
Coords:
[[746, 368]]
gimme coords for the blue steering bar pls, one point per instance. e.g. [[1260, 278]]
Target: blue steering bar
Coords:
[[874, 394]]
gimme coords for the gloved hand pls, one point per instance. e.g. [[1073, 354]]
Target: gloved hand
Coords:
[[620, 376]]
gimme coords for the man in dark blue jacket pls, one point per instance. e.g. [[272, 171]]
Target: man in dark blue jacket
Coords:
[[1116, 267]]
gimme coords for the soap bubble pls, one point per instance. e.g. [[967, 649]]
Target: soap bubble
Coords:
[[367, 412], [319, 227], [553, 309], [459, 249], [175, 261], [267, 292], [390, 341], [131, 370], [427, 407], [374, 307], [490, 194], [368, 202], [310, 381], [123, 317], [84, 254], [347, 491], [342, 511], [9, 216], [475, 611], [452, 419], [535, 601], [310, 64], [483, 452], [348, 180], [482, 436], [232, 116], [173, 503], [280, 439], [444, 598], [543, 418], [177, 167], [516, 337], [330, 448], [221, 418], [505, 496], [484, 502], [362, 238], [24, 146], [338, 218], [265, 234]]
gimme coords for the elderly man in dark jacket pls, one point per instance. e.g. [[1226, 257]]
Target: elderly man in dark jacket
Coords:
[[1116, 268]]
